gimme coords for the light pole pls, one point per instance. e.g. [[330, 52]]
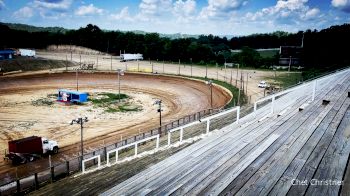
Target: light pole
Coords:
[[76, 78], [159, 103], [81, 122], [191, 66], [210, 83], [120, 73]]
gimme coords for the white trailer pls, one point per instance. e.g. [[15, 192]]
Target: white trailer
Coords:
[[130, 57], [27, 52]]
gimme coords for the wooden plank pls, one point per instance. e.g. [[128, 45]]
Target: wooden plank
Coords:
[[285, 182], [263, 181], [205, 179], [333, 164], [251, 170], [185, 167]]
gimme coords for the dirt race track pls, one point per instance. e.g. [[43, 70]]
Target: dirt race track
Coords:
[[20, 117]]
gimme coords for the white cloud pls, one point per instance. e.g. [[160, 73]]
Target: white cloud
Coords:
[[342, 5], [285, 11], [150, 9], [25, 12], [220, 8], [88, 10], [55, 5], [184, 10], [123, 15]]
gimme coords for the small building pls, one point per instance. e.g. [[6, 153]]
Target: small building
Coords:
[[6, 54], [70, 96], [290, 55]]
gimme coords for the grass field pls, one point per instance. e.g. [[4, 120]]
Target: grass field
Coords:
[[285, 80]]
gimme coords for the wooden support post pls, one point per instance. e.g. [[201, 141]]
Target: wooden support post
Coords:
[[157, 144], [94, 160], [67, 168], [18, 183], [36, 181], [135, 149], [238, 112]]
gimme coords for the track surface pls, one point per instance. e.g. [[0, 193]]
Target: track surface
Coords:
[[180, 97]]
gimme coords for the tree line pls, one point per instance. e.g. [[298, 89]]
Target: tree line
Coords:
[[322, 49]]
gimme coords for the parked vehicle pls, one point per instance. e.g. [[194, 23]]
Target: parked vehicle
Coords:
[[130, 57], [263, 84], [28, 149], [26, 52]]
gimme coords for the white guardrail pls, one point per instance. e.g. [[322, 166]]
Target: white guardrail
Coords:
[[313, 94], [98, 157], [237, 109], [116, 151]]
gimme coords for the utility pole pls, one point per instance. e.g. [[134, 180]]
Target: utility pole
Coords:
[[210, 83], [111, 62], [191, 66], [237, 73], [97, 62], [217, 71], [246, 89], [80, 121], [76, 77], [120, 73], [206, 71]]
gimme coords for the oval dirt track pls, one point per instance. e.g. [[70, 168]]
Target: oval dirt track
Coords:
[[180, 97]]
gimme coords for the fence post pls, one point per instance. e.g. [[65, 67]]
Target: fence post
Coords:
[[36, 181], [169, 138], [93, 154], [157, 145], [52, 173], [18, 186], [67, 166], [272, 104], [208, 125], [135, 149], [105, 152], [181, 134], [314, 90], [238, 112]]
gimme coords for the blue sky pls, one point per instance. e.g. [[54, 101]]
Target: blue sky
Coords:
[[218, 17]]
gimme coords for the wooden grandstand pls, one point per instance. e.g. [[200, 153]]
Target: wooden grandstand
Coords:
[[299, 147]]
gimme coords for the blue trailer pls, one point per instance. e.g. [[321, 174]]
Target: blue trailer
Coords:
[[6, 54], [70, 96]]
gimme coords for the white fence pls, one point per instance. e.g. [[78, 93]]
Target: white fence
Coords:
[[135, 144], [98, 157], [237, 109]]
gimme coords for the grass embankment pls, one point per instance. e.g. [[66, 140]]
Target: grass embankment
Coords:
[[232, 89], [32, 64], [285, 80]]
